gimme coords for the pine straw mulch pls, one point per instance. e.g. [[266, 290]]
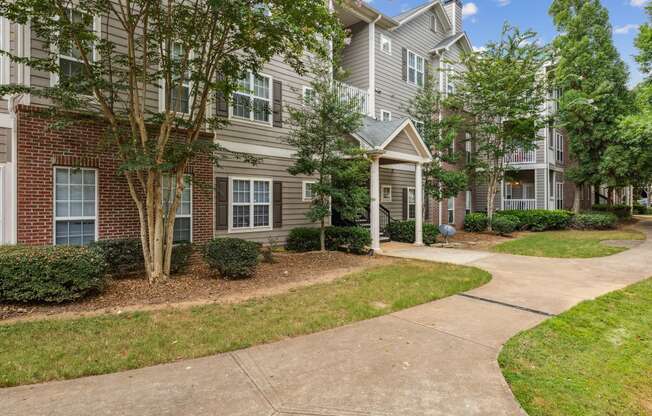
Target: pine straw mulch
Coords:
[[199, 285]]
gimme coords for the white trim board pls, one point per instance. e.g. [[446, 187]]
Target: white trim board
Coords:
[[257, 149]]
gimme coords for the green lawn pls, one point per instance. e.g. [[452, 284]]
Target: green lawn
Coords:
[[593, 360], [32, 352], [568, 244]]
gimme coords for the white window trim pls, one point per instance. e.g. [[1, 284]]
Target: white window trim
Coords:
[[559, 147], [270, 123], [416, 71], [95, 218], [4, 45], [411, 189], [97, 28], [382, 193], [304, 188], [468, 207], [161, 96], [251, 229], [508, 191], [434, 23], [305, 89], [449, 209], [191, 210], [418, 123], [382, 114], [385, 40]]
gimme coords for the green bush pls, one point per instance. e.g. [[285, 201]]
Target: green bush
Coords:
[[639, 209], [595, 221], [49, 274], [539, 219], [232, 257], [505, 224], [404, 232], [475, 222], [621, 211], [303, 239], [350, 239], [125, 256]]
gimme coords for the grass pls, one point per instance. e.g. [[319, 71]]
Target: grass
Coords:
[[595, 359], [32, 352], [568, 244]]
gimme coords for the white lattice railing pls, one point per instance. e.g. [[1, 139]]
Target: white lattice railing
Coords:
[[520, 204], [348, 92], [522, 156]]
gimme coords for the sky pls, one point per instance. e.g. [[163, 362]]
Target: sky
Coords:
[[483, 20]]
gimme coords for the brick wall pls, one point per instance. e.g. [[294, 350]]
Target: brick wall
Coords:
[[41, 148]]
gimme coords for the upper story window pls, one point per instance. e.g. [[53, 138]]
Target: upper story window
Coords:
[[75, 206], [4, 45], [253, 99], [433, 23], [385, 44], [468, 148], [416, 69], [450, 79], [559, 147], [70, 56], [183, 219], [180, 92], [385, 115], [308, 95]]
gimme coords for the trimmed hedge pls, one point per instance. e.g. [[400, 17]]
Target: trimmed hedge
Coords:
[[475, 222], [404, 232], [232, 257], [505, 224], [539, 219], [49, 274], [350, 239], [595, 221], [125, 256], [303, 239], [621, 211]]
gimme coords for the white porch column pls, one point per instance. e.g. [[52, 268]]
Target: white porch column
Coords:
[[374, 211], [418, 238]]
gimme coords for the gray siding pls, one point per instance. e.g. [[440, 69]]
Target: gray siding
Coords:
[[355, 57], [540, 186], [399, 180], [402, 144], [5, 139]]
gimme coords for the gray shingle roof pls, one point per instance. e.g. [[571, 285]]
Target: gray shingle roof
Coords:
[[413, 10], [375, 132]]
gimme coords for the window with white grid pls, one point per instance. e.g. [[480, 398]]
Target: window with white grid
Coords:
[[75, 206], [253, 99], [416, 69], [70, 57], [251, 204], [183, 219], [412, 203]]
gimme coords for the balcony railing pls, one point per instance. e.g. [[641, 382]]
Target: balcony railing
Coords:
[[348, 92], [522, 156], [520, 204]]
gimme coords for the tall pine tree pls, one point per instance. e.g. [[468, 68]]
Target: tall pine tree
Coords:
[[592, 77]]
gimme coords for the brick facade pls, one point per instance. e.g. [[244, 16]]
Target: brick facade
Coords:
[[41, 149]]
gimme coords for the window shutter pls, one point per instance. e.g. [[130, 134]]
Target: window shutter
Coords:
[[221, 105], [405, 204], [426, 206], [278, 204], [405, 67], [222, 203], [278, 104]]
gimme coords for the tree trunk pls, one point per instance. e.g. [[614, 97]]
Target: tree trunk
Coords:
[[322, 236], [576, 198], [491, 199]]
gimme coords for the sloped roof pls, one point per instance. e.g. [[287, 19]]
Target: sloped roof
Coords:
[[451, 40], [414, 10], [376, 135]]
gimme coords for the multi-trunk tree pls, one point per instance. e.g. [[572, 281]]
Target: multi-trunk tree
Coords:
[[127, 53], [592, 78], [502, 91]]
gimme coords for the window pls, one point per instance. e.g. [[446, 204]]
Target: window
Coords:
[[75, 207], [385, 44], [412, 203], [468, 148], [251, 206], [183, 219], [469, 202], [508, 191], [385, 115], [416, 69], [253, 99], [559, 147], [419, 126], [449, 79], [451, 210], [560, 195], [4, 45], [70, 57], [308, 95], [433, 23], [308, 193], [386, 193], [180, 100]]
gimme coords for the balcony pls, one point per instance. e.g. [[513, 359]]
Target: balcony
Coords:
[[521, 156], [520, 204], [348, 92]]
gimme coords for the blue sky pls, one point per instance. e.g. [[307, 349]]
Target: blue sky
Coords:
[[484, 18]]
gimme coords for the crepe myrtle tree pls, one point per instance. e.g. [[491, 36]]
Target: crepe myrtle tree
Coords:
[[189, 51], [442, 123], [503, 91], [321, 133]]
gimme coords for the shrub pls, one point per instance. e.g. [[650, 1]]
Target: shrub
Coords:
[[595, 221], [303, 239], [404, 232], [351, 239], [639, 209], [232, 257], [621, 211], [180, 257], [49, 274], [125, 256], [475, 222], [539, 219], [504, 224]]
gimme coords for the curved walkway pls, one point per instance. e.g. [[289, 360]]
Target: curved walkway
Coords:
[[435, 359]]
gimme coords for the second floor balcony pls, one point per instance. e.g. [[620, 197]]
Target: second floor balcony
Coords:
[[521, 156], [349, 92]]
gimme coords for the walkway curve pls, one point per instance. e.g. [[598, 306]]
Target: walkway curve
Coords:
[[434, 359]]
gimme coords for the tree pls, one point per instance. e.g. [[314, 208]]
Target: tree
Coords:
[[592, 77], [440, 128], [321, 130], [191, 52], [502, 90]]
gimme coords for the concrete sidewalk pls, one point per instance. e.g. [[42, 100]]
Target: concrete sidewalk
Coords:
[[435, 359]]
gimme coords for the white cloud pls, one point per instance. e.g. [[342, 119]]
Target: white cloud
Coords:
[[637, 3], [479, 48], [469, 9], [625, 29], [503, 3]]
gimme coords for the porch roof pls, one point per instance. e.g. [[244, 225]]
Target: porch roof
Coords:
[[376, 136]]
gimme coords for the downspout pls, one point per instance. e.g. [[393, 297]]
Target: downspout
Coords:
[[372, 67], [440, 116], [13, 239]]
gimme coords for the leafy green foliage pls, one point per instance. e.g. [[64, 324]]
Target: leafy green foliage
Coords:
[[232, 257], [303, 239], [404, 232], [351, 239], [505, 224], [475, 222], [181, 254], [540, 219], [594, 221], [621, 211], [125, 256], [49, 274]]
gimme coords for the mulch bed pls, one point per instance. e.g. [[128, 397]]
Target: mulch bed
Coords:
[[200, 285]]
